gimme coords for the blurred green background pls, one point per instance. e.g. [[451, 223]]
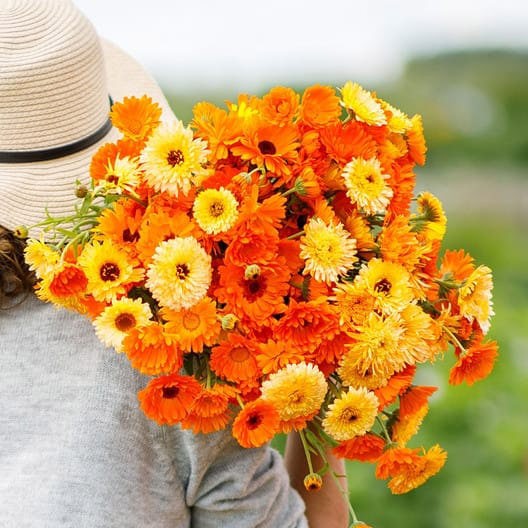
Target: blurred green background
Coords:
[[475, 109]]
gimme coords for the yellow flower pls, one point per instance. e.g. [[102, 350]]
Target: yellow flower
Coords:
[[474, 297], [418, 341], [173, 161], [367, 186], [123, 174], [41, 258], [180, 273], [354, 303], [361, 102], [388, 283], [113, 324], [397, 121], [431, 218], [215, 210], [353, 376], [109, 270], [296, 391], [351, 415], [328, 250], [403, 431], [313, 482]]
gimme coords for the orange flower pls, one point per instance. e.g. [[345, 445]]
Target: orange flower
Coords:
[[136, 117], [348, 141], [270, 147], [306, 324], [234, 359], [151, 350], [366, 448], [406, 426], [280, 106], [193, 327], [402, 181], [475, 364], [413, 399], [167, 399], [395, 460], [416, 141], [457, 264], [68, 280], [275, 355], [396, 385], [107, 154], [320, 106], [256, 424], [248, 247]]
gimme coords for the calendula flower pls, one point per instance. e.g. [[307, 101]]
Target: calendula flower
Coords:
[[328, 250], [362, 104], [475, 364], [405, 427], [474, 297], [432, 219], [367, 185], [118, 319], [180, 273], [215, 210], [354, 303], [168, 399], [234, 358], [172, 160], [280, 105], [275, 355], [320, 106], [416, 141], [366, 448], [256, 424], [41, 258], [353, 375], [110, 270], [397, 121], [352, 414], [297, 390], [121, 174], [136, 117], [68, 279]]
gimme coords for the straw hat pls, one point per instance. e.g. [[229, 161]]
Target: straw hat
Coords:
[[56, 78]]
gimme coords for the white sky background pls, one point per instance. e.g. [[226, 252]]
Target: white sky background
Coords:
[[246, 45]]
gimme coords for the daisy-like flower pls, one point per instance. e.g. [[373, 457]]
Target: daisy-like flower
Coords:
[[328, 250], [110, 271], [117, 320], [173, 161], [367, 448], [367, 185], [275, 355], [136, 117], [405, 427], [397, 121], [41, 258], [121, 174], [256, 424], [215, 210], [474, 297], [298, 390], [234, 359], [431, 219], [167, 399], [475, 364], [193, 327], [363, 104], [352, 414], [180, 273], [67, 280], [352, 375], [354, 303]]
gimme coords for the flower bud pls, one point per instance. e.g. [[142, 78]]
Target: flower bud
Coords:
[[21, 231], [313, 482], [252, 272], [81, 191], [229, 321]]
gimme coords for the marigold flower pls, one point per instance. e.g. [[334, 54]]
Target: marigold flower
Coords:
[[366, 448], [296, 391], [406, 426], [275, 355], [397, 384], [414, 398], [106, 156], [352, 414], [215, 210], [475, 363], [416, 140], [397, 121], [41, 258], [234, 358], [320, 106], [362, 104], [68, 280], [256, 424], [280, 105], [167, 399], [136, 117], [432, 217], [474, 297]]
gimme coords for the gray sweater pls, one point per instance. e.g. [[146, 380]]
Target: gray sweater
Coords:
[[76, 450]]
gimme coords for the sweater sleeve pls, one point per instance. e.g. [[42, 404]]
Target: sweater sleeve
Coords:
[[240, 488]]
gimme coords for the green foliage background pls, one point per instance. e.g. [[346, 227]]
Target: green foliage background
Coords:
[[475, 109]]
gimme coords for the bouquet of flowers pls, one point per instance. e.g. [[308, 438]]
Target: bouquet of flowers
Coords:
[[271, 269]]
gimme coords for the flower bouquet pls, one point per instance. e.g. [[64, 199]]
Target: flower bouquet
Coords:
[[271, 269]]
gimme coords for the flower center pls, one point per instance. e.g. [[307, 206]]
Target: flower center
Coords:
[[267, 148], [182, 271], [124, 322], [170, 392], [349, 415], [109, 271], [296, 397], [191, 321], [175, 157], [128, 236], [216, 209], [112, 178], [239, 354], [383, 286], [253, 421], [254, 288]]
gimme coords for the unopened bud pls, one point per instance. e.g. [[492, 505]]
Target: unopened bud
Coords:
[[313, 482], [21, 231], [81, 191], [252, 272], [229, 321]]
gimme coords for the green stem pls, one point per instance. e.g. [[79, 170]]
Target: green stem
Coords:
[[384, 430], [306, 451], [295, 235], [454, 339], [345, 496]]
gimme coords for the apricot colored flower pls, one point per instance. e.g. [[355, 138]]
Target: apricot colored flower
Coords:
[[275, 355], [296, 391], [136, 117], [234, 358], [474, 364], [215, 210], [344, 142], [152, 350], [416, 141], [115, 321], [167, 399], [362, 104], [351, 414], [173, 160], [180, 273], [280, 106], [366, 448], [354, 303], [194, 327], [367, 185], [328, 250], [256, 424], [405, 427], [320, 106]]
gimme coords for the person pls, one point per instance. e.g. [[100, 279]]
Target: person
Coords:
[[75, 449]]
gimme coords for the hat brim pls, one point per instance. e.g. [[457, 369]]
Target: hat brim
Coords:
[[28, 190]]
